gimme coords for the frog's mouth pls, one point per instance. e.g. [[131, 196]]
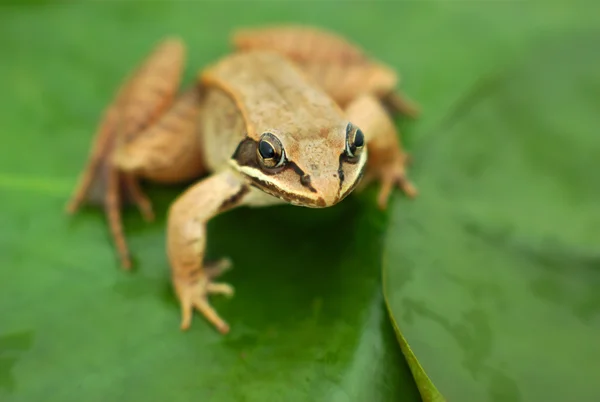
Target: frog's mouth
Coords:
[[294, 199], [301, 191], [355, 184]]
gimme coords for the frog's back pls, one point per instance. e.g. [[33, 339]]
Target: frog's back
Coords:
[[273, 94]]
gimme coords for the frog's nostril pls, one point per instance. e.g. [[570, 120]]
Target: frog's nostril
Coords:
[[305, 180]]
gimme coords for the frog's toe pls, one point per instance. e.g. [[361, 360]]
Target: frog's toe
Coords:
[[138, 197], [407, 186], [224, 289], [390, 177], [214, 269], [194, 295], [400, 103]]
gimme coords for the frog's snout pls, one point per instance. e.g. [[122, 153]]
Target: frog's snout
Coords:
[[324, 187]]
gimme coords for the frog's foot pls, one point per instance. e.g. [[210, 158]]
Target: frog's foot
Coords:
[[112, 208], [399, 103], [139, 198], [387, 160], [103, 184], [391, 174], [193, 294]]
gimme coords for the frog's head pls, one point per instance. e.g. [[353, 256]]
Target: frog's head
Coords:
[[313, 169]]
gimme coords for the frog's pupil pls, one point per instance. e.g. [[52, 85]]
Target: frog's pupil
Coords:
[[266, 150], [359, 139]]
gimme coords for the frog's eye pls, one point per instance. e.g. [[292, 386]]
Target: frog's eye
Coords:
[[270, 151], [355, 141]]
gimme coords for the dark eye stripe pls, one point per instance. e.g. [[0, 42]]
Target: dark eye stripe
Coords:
[[245, 155], [341, 175]]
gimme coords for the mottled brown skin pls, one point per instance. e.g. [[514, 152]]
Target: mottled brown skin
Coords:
[[301, 43], [310, 125], [218, 127], [173, 137], [341, 67], [349, 76], [142, 98]]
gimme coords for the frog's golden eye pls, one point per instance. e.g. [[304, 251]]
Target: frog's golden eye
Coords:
[[270, 151], [355, 141]]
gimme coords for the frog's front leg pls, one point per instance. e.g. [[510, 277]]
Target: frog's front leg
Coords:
[[387, 160], [186, 242]]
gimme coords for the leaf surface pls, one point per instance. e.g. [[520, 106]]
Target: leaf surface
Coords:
[[493, 275]]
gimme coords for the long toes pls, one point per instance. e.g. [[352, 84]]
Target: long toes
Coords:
[[138, 196], [217, 268], [407, 187], [211, 315], [113, 214], [220, 288], [146, 210], [186, 314], [384, 193]]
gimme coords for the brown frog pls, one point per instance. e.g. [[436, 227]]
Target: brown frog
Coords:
[[261, 127]]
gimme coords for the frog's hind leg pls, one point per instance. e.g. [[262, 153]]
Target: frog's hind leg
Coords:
[[141, 99], [168, 151], [102, 184], [387, 160]]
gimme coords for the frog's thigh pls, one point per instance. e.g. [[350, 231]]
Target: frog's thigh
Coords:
[[387, 160], [169, 150], [186, 243]]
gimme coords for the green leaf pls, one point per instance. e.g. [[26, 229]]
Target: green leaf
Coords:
[[308, 319], [495, 272], [307, 322]]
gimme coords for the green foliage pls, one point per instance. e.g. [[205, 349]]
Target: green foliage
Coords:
[[498, 290], [490, 274]]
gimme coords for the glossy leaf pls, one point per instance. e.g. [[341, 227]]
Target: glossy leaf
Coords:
[[308, 319], [493, 275]]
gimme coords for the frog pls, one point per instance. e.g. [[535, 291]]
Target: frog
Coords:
[[345, 71], [253, 130]]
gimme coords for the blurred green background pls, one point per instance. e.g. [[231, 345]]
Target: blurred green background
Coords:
[[492, 274]]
